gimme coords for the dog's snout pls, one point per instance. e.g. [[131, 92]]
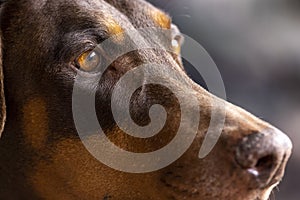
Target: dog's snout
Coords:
[[263, 157]]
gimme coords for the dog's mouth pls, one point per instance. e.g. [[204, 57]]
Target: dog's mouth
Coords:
[[273, 182], [194, 194], [277, 177], [257, 185]]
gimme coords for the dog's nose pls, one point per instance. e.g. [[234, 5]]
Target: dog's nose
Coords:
[[263, 157]]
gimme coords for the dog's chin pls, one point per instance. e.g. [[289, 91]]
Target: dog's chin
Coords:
[[259, 194]]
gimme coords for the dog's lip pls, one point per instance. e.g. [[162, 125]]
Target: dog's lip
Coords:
[[278, 175]]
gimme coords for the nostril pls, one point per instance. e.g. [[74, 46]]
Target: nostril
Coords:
[[265, 163], [263, 156]]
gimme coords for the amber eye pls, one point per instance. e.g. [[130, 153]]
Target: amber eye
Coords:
[[177, 39], [88, 61], [176, 46]]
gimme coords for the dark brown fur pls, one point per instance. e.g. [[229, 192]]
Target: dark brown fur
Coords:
[[41, 155]]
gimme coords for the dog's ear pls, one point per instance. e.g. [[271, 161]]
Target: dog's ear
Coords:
[[2, 97], [2, 1]]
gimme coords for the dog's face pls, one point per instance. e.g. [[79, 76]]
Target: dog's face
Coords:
[[46, 44]]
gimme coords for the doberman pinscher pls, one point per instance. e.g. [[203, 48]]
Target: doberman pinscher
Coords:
[[46, 44]]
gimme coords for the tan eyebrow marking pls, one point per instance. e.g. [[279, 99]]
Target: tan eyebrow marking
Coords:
[[114, 29], [161, 19]]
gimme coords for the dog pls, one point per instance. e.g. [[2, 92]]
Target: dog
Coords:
[[46, 44]]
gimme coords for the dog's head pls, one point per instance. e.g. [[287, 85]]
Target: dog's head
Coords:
[[47, 45]]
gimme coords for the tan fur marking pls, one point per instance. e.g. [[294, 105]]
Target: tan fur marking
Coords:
[[73, 173], [35, 122], [161, 19], [114, 29]]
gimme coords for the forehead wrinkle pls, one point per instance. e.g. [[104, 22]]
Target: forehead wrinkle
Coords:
[[114, 21], [142, 14], [103, 12], [117, 21], [105, 16]]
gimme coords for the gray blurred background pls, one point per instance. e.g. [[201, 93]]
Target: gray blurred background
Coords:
[[256, 46]]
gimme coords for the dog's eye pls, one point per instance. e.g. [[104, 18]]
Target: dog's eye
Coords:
[[176, 45], [88, 61], [177, 39]]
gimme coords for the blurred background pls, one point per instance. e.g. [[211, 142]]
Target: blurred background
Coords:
[[256, 46]]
